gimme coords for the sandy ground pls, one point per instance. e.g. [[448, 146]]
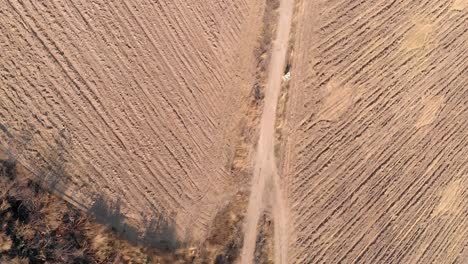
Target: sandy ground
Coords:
[[265, 182], [132, 100], [376, 165]]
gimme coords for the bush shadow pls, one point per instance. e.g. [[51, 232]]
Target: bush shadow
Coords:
[[158, 232]]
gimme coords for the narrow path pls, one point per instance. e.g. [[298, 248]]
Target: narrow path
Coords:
[[266, 183]]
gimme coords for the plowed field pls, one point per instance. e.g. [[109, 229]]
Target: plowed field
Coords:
[[159, 116], [135, 101], [376, 161]]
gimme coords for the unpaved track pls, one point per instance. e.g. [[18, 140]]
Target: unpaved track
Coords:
[[266, 180]]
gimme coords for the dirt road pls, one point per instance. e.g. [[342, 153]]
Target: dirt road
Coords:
[[265, 185]]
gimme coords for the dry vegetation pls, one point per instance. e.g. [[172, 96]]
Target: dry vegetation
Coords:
[[264, 248], [249, 123], [270, 17], [281, 110], [225, 240], [38, 227]]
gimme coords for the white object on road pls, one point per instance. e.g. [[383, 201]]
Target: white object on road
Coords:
[[287, 77]]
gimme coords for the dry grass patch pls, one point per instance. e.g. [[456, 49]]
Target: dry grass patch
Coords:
[[225, 240], [264, 247], [249, 124]]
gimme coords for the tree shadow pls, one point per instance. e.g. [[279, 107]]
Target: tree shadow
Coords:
[[52, 172], [158, 232], [8, 168], [48, 165]]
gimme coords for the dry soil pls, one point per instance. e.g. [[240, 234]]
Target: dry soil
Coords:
[[148, 104], [136, 101], [376, 163]]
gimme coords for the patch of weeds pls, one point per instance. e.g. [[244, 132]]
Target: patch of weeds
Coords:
[[225, 240], [249, 124], [264, 244]]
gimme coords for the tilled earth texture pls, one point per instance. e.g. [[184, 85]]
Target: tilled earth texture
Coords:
[[129, 105], [376, 161], [141, 112]]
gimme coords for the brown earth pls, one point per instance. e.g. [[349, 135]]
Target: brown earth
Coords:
[[376, 161], [138, 111], [134, 101]]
